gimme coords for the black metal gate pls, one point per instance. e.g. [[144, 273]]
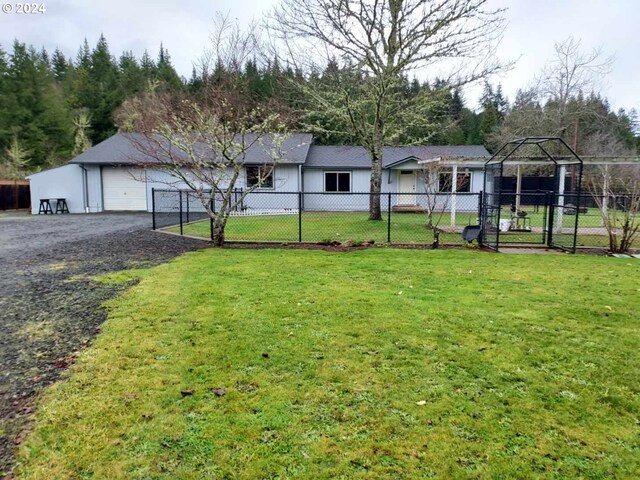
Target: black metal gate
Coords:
[[490, 219]]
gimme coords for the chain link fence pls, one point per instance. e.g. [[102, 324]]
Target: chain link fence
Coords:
[[530, 218]]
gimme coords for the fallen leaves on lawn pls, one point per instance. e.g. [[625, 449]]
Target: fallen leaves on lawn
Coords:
[[61, 363]]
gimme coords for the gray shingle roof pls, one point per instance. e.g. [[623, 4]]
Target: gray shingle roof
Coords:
[[120, 149], [331, 156]]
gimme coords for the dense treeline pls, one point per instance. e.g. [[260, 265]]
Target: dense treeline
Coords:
[[53, 107]]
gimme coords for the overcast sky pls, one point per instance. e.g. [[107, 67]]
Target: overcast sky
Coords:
[[183, 26]]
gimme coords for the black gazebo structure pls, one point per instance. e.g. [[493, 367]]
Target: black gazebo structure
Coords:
[[555, 221]]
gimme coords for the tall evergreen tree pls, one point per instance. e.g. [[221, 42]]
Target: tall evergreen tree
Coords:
[[148, 66], [165, 71], [38, 115], [104, 87], [59, 65], [132, 79], [501, 103], [83, 58]]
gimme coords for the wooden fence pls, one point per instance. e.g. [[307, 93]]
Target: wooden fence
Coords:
[[14, 194]]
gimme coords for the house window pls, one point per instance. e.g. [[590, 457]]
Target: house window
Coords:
[[337, 181], [463, 183], [260, 176]]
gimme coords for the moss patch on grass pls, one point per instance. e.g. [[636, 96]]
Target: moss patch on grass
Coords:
[[370, 364], [122, 277]]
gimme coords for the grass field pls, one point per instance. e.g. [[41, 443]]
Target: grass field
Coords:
[[379, 363], [354, 226]]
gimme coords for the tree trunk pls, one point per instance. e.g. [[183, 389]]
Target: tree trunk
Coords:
[[375, 185], [217, 233], [436, 237]]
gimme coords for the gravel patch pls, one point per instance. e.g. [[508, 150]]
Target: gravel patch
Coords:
[[49, 309]]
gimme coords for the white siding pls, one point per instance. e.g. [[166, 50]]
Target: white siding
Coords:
[[283, 195], [62, 182], [286, 180], [313, 183], [316, 199]]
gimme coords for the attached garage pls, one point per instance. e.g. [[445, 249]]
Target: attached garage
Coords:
[[124, 189]]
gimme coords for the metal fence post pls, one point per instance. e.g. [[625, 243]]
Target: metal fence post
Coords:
[[187, 194], [299, 216], [180, 197], [211, 218], [550, 196], [389, 218], [153, 208], [479, 221], [545, 210]]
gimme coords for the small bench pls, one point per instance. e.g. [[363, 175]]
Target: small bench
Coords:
[[45, 206], [61, 205]]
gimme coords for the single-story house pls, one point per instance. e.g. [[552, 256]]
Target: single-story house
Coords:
[[111, 176]]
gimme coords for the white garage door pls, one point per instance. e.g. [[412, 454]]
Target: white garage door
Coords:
[[123, 189]]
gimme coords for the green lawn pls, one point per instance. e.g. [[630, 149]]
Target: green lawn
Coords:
[[379, 363], [354, 226]]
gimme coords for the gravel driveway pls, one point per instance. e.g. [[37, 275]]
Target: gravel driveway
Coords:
[[45, 317]]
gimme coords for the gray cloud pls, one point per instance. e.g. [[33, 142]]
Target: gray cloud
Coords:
[[184, 29]]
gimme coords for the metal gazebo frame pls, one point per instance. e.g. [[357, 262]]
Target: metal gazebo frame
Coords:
[[492, 191]]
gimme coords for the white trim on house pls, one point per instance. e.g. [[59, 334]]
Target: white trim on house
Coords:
[[273, 177], [337, 190]]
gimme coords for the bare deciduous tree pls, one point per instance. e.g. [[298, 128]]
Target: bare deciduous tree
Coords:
[[437, 181], [616, 191], [571, 71], [202, 142], [555, 104], [16, 159], [379, 41], [81, 141], [205, 148]]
